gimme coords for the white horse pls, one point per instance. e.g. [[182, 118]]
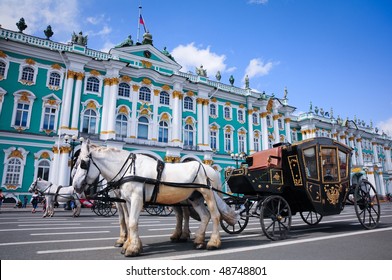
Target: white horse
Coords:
[[54, 193], [177, 183]]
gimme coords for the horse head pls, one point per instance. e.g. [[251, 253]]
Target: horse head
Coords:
[[86, 171], [33, 185]]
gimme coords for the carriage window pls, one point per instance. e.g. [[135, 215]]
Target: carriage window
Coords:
[[330, 164], [311, 163], [343, 164]]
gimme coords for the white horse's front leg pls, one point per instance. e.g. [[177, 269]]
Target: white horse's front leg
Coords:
[[214, 242], [177, 233], [134, 244], [198, 205], [123, 217]]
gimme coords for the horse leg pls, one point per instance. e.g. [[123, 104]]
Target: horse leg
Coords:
[[198, 205], [135, 246], [123, 217], [177, 233], [186, 232], [214, 242]]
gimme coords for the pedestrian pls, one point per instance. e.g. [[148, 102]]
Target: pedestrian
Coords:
[[34, 201], [2, 197], [24, 205]]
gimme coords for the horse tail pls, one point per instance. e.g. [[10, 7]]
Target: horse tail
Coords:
[[228, 214]]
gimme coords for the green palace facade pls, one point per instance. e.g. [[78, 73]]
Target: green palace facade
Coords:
[[136, 98]]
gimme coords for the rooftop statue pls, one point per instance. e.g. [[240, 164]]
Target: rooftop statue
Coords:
[[165, 52], [201, 72], [247, 82], [21, 24], [127, 42], [48, 32], [79, 39], [218, 76]]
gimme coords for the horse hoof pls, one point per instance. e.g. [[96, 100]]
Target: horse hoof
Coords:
[[200, 246], [118, 245], [212, 248]]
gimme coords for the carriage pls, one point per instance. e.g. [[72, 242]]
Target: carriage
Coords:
[[311, 178]]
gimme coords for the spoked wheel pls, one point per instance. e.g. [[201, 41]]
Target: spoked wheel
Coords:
[[275, 217], [154, 210], [109, 209], [367, 204], [166, 211], [310, 217], [244, 217]]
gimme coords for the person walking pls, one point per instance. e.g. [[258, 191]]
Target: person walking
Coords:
[[24, 205], [34, 201], [2, 197]]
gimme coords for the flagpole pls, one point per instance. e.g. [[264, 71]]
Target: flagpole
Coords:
[[138, 23]]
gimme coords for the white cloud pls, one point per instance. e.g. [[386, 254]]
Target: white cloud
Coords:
[[190, 57], [385, 126], [262, 2], [258, 68]]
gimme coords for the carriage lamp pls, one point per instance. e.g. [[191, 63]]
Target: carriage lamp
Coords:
[[237, 157]]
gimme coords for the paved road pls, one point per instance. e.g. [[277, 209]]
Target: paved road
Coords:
[[27, 236]]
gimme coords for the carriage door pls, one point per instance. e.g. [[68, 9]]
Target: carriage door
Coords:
[[313, 186]]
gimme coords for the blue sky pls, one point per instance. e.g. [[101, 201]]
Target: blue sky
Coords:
[[335, 54]]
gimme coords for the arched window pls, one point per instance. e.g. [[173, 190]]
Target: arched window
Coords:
[[2, 69], [43, 170], [124, 90], [228, 141], [92, 84], [212, 110], [13, 173], [145, 94], [28, 74], [255, 119], [227, 114], [240, 115], [142, 128], [188, 103], [188, 135], [89, 121], [213, 140], [54, 79], [280, 124], [121, 126], [269, 122], [163, 132], [49, 118], [241, 142], [164, 98], [22, 114], [256, 143]]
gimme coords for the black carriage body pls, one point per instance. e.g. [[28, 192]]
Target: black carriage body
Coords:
[[312, 175]]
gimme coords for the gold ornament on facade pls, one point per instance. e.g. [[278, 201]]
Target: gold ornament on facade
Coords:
[[199, 101], [65, 150], [145, 112], [45, 155], [242, 132], [48, 131], [242, 106], [165, 117], [213, 99], [126, 79], [55, 149], [107, 81], [135, 87], [263, 114], [24, 97], [172, 159], [287, 120], [228, 129], [51, 102], [270, 105], [208, 161], [95, 73], [71, 74], [177, 94], [146, 64], [123, 110], [228, 104], [30, 61], [146, 81], [79, 76], [11, 187], [214, 127], [257, 134], [165, 87], [156, 92], [2, 54], [206, 102], [15, 153], [189, 120], [91, 105], [190, 93], [276, 117], [56, 66]]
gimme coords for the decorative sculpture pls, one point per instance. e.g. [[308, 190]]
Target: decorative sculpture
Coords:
[[79, 39], [127, 42], [201, 72], [218, 76], [21, 24], [48, 32], [231, 80], [246, 82]]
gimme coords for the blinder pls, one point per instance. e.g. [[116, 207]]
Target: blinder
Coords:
[[85, 164]]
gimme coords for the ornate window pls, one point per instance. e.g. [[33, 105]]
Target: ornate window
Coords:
[[23, 103], [28, 74], [145, 94], [43, 169], [89, 121], [92, 85], [188, 103], [124, 90], [54, 79], [256, 142], [241, 116], [241, 141], [164, 98], [50, 112], [15, 160], [188, 135], [269, 121], [255, 119], [3, 67], [121, 126], [163, 132], [142, 128], [228, 139], [280, 124], [213, 112], [213, 140], [227, 113]]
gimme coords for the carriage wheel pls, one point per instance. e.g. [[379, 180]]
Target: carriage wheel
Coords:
[[244, 218], [166, 211], [108, 209], [275, 217], [367, 204], [311, 218], [96, 208], [112, 210], [154, 210]]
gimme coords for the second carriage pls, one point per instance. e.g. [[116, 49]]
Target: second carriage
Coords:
[[312, 178]]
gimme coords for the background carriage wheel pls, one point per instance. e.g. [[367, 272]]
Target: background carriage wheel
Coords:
[[275, 217], [95, 208], [153, 210], [310, 217], [166, 211], [242, 223], [367, 204]]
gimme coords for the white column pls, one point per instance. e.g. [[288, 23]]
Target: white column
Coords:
[[199, 105], [206, 123], [276, 128], [67, 99], [76, 102], [288, 129], [352, 145], [55, 166], [388, 158], [105, 108], [251, 137], [264, 131], [375, 153], [342, 138], [135, 97], [111, 125], [64, 169], [360, 152], [155, 126], [177, 116]]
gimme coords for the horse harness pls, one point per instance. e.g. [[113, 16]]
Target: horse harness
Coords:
[[115, 184]]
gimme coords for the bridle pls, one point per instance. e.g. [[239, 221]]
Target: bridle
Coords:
[[36, 189]]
